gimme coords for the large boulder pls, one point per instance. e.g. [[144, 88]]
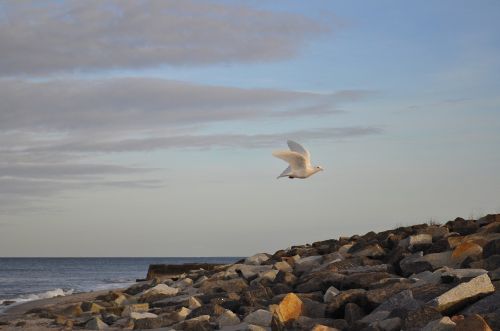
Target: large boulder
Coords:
[[259, 317], [463, 293], [257, 259], [290, 308], [158, 292]]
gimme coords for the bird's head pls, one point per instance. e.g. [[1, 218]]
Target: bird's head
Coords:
[[319, 168]]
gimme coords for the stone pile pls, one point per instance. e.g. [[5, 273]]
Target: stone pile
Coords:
[[421, 277]]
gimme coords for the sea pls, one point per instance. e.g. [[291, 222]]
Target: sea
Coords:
[[27, 279]]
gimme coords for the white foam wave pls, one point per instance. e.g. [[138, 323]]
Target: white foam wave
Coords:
[[44, 295]]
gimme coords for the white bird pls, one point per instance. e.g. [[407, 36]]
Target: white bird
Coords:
[[299, 159]]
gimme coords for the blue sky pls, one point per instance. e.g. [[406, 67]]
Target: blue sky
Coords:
[[147, 129]]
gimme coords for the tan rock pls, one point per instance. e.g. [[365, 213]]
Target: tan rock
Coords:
[[194, 303], [320, 327], [473, 322], [228, 318], [290, 308], [468, 291], [135, 308]]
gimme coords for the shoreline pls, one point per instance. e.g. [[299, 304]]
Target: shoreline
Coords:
[[419, 277]]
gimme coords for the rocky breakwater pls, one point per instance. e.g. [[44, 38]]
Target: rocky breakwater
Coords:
[[421, 277]]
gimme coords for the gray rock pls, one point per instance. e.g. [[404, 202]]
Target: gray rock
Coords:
[[463, 293], [373, 250], [259, 317], [414, 263], [228, 318], [330, 293], [416, 242], [390, 324], [402, 300], [443, 324], [257, 259], [96, 324], [487, 305], [491, 248], [308, 263], [494, 274]]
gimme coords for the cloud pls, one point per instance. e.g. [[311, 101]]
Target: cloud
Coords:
[[204, 141], [40, 37], [146, 103]]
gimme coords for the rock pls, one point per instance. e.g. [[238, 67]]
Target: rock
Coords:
[[449, 274], [473, 322], [249, 272], [320, 327], [257, 259], [464, 250], [377, 296], [330, 293], [494, 274], [138, 316], [463, 227], [469, 291], [353, 313], [174, 270], [417, 242], [200, 323], [390, 324], [373, 250], [414, 264], [286, 278], [252, 327], [91, 307], [290, 308], [96, 324], [487, 305], [313, 308], [308, 263], [490, 263], [259, 317], [283, 266], [158, 292], [442, 324], [402, 300], [193, 303], [363, 280], [135, 308], [491, 248], [228, 318], [436, 232], [418, 318], [337, 304], [438, 260], [237, 285], [493, 319]]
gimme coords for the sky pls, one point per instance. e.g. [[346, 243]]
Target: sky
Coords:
[[145, 128]]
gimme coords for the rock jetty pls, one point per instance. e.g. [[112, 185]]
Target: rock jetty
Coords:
[[424, 277]]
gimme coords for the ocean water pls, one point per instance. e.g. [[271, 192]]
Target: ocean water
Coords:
[[26, 279]]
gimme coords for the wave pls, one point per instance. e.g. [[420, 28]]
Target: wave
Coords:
[[31, 297]]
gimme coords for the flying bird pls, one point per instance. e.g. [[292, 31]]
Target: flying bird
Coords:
[[299, 159]]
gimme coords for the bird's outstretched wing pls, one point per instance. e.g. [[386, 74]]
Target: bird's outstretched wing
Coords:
[[285, 172], [296, 160], [296, 147]]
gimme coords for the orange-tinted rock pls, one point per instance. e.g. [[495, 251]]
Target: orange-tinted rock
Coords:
[[473, 322], [290, 308], [464, 250], [320, 327]]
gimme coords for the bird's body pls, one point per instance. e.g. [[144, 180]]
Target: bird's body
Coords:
[[300, 161]]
